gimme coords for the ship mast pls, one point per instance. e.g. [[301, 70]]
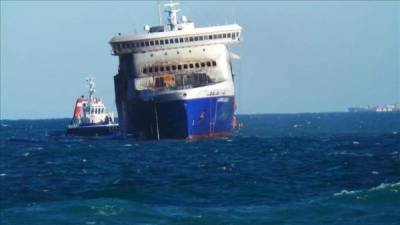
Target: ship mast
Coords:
[[92, 88], [172, 14]]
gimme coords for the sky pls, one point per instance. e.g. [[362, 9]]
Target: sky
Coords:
[[315, 56]]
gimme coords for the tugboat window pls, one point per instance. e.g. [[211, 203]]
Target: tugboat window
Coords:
[[229, 35], [156, 69], [144, 70], [150, 69], [191, 66], [214, 63], [181, 40], [166, 41], [224, 35], [161, 69], [219, 36], [171, 41], [156, 42], [179, 67], [161, 42], [210, 37], [196, 38], [176, 40], [173, 67], [147, 43], [185, 66], [186, 39], [203, 64], [208, 64], [191, 38], [197, 65], [167, 68]]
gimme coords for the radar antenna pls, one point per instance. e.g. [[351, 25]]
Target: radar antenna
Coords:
[[172, 14]]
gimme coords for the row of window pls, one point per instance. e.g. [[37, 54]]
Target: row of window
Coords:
[[168, 68], [182, 80], [96, 110], [138, 44]]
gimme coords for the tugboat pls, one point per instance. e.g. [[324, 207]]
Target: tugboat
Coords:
[[90, 117]]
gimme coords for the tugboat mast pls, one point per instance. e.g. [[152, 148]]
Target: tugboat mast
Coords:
[[92, 88]]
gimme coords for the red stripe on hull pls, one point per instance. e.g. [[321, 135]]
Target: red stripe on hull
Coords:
[[211, 135]]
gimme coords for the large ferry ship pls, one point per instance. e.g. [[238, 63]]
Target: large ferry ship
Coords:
[[176, 80]]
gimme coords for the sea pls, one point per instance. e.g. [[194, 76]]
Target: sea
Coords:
[[313, 168]]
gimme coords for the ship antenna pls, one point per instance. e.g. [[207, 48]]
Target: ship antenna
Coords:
[[172, 14], [159, 12], [92, 87]]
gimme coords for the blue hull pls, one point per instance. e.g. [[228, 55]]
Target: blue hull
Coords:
[[195, 118]]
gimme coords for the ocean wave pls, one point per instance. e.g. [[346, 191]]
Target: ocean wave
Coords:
[[382, 186]]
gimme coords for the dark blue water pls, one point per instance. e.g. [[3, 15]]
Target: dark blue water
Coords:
[[333, 168]]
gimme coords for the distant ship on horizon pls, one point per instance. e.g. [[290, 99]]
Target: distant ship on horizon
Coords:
[[376, 108]]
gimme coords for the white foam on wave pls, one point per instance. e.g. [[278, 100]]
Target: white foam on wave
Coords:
[[345, 192], [379, 187]]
